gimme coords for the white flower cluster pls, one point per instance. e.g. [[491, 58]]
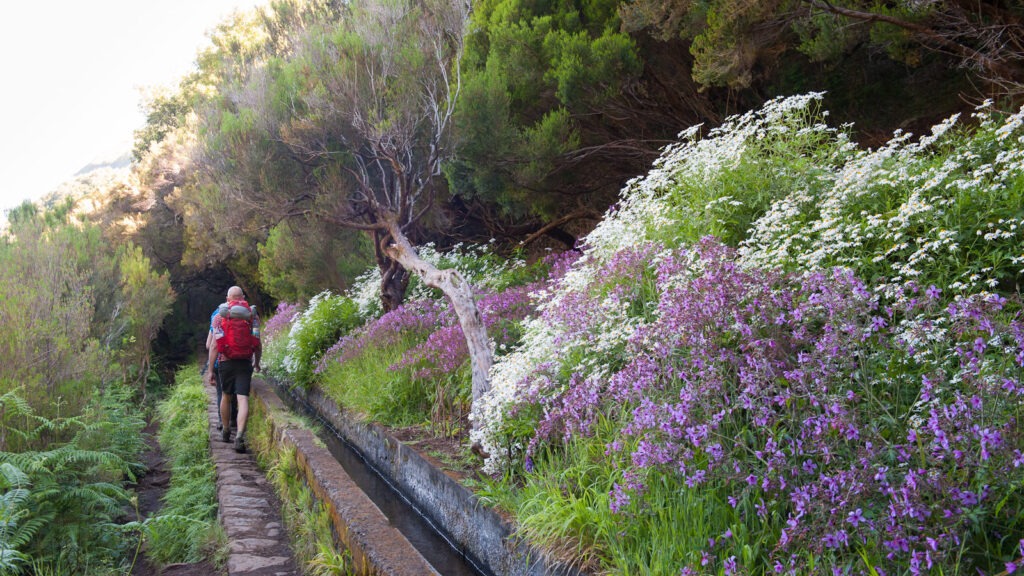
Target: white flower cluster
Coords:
[[895, 207], [365, 292], [291, 359]]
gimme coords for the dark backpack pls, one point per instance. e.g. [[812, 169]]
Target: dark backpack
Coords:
[[238, 343]]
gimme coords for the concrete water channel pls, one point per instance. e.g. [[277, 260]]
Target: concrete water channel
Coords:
[[439, 520], [440, 552]]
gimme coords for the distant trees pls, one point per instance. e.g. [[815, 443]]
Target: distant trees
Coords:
[[730, 38], [74, 308]]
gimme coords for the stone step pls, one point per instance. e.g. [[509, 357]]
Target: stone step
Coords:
[[249, 511]]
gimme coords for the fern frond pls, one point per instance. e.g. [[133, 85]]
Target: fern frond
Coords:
[[12, 476]]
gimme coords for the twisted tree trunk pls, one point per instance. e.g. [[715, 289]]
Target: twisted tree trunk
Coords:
[[459, 293]]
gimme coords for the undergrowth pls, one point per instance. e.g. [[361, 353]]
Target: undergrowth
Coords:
[[185, 529]]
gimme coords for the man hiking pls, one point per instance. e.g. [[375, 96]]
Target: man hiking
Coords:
[[237, 351], [211, 344]]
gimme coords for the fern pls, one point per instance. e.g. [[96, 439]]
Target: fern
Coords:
[[16, 526], [59, 506]]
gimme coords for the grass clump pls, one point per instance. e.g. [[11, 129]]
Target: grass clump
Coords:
[[185, 528]]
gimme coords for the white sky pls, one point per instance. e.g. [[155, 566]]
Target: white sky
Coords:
[[70, 74]]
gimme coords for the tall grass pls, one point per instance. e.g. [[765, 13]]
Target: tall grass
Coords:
[[368, 385], [185, 529]]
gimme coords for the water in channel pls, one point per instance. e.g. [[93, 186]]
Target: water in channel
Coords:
[[439, 551]]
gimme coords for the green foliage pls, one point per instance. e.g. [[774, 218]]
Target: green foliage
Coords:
[[734, 41], [300, 259], [47, 304], [63, 502], [165, 112], [326, 319], [182, 531], [563, 506], [532, 73], [146, 298], [17, 527], [308, 520], [75, 308], [367, 385]]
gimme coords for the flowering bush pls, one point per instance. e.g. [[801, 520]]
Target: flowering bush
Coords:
[[327, 317], [850, 426], [275, 338], [942, 210]]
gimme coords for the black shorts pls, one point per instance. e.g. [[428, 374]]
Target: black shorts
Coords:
[[235, 376]]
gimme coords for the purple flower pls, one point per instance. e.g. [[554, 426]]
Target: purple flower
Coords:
[[903, 443], [619, 498], [979, 345], [855, 517], [877, 323]]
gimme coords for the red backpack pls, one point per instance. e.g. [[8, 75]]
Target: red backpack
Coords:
[[238, 343]]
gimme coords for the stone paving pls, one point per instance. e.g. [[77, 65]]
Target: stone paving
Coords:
[[249, 511]]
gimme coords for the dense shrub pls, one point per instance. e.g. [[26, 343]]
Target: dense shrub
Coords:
[[325, 319], [62, 504]]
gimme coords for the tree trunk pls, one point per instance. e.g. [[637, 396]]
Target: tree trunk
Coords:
[[394, 279], [460, 294]]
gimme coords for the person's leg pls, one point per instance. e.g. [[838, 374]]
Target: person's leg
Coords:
[[216, 379], [243, 412], [225, 412], [243, 380], [227, 381]]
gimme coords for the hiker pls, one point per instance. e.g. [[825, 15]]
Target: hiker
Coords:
[[237, 352], [210, 343]]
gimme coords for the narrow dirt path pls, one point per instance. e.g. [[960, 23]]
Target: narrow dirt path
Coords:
[[150, 489]]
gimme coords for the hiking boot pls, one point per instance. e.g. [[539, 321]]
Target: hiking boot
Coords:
[[240, 443], [225, 435], [220, 426]]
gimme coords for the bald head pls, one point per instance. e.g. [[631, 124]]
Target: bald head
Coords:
[[235, 293]]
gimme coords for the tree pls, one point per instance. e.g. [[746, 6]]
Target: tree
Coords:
[[303, 256], [146, 301], [352, 128], [731, 38], [375, 121]]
